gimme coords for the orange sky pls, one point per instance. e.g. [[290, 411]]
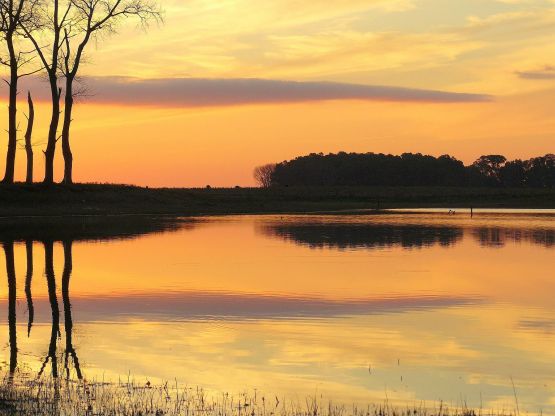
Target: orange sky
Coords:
[[499, 48]]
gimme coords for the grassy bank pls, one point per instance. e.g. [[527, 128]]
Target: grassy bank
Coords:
[[23, 200], [59, 397]]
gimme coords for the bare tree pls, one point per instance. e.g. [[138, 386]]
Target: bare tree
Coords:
[[29, 139], [263, 175], [14, 14], [91, 18], [54, 15]]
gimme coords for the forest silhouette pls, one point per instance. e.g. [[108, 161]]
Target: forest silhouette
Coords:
[[408, 169]]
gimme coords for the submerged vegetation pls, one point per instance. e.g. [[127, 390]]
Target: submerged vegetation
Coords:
[[129, 398]]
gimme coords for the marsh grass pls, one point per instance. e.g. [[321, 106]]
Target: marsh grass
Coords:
[[128, 398]]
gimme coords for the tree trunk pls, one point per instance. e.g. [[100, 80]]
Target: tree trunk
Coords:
[[28, 140], [66, 146], [12, 113], [50, 151]]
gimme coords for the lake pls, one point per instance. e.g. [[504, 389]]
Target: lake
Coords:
[[409, 308]]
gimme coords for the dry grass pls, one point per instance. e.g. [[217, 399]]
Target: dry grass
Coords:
[[61, 397]]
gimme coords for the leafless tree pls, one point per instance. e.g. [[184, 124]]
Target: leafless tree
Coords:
[[29, 139], [13, 15], [54, 16], [263, 175], [89, 19]]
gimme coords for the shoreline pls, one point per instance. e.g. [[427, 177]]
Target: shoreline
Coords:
[[26, 201]]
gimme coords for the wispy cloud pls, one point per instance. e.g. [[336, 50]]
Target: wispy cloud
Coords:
[[547, 72], [197, 92]]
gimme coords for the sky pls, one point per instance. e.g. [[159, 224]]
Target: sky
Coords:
[[223, 86]]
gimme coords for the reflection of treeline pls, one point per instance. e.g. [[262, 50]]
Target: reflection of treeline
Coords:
[[344, 236], [498, 237], [371, 169], [348, 235]]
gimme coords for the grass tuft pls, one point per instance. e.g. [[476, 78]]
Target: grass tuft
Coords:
[[63, 397]]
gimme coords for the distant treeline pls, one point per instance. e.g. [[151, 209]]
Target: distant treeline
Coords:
[[408, 169]]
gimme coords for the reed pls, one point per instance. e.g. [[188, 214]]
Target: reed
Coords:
[[129, 398]]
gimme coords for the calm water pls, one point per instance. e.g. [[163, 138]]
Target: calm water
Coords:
[[420, 307]]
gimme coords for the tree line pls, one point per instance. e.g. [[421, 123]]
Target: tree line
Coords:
[[50, 38], [408, 169]]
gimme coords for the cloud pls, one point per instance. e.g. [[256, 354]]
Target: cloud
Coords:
[[199, 92], [547, 72]]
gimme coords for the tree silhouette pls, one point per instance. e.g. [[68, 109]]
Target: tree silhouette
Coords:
[[90, 18], [408, 169], [29, 140], [54, 17], [490, 167], [14, 15], [263, 175]]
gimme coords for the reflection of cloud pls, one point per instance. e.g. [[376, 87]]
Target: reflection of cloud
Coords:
[[215, 305], [194, 92], [538, 325]]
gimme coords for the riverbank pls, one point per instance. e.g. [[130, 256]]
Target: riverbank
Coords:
[[89, 199]]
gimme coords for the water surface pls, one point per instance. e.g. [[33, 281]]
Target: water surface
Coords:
[[412, 307]]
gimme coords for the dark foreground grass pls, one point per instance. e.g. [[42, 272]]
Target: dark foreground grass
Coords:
[[58, 397], [88, 199]]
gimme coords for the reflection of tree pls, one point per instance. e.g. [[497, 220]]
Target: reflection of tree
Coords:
[[28, 281], [66, 230], [68, 319], [12, 323], [498, 237], [343, 236], [54, 306], [87, 228], [51, 356], [51, 283]]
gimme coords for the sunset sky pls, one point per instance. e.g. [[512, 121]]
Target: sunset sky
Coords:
[[223, 86]]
